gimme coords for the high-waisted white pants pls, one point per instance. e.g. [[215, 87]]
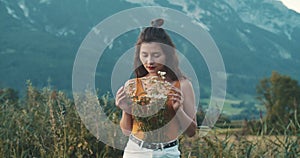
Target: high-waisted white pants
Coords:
[[133, 150]]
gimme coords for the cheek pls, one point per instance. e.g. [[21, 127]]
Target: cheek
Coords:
[[162, 60], [142, 60]]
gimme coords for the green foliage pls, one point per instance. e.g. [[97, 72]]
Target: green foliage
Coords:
[[280, 95]]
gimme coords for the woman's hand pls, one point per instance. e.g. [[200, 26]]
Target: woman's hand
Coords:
[[123, 101], [177, 98]]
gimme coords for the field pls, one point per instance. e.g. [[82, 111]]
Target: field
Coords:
[[46, 124], [231, 143], [237, 109]]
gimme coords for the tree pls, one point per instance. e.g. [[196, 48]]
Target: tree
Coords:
[[281, 95]]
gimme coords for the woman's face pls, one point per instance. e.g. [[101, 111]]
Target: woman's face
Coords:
[[152, 57]]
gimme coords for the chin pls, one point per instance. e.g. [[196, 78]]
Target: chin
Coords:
[[152, 72]]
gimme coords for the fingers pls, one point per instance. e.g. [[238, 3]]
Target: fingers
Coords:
[[119, 98], [176, 90], [120, 95], [177, 98], [176, 95], [123, 101], [120, 90]]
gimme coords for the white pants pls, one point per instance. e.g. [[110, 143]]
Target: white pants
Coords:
[[133, 150]]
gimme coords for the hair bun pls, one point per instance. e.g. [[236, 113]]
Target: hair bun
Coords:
[[157, 22]]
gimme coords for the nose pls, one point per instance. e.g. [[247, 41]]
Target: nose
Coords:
[[150, 60]]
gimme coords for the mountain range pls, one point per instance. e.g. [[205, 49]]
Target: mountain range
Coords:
[[40, 38]]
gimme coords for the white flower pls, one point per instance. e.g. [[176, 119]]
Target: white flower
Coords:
[[161, 73]]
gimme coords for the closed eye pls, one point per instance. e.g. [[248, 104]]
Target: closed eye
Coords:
[[144, 54], [156, 55]]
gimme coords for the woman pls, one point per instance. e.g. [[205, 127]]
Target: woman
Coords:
[[155, 53]]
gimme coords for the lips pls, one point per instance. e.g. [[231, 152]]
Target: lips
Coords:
[[151, 67]]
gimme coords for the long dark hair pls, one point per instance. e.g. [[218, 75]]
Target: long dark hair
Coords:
[[159, 35]]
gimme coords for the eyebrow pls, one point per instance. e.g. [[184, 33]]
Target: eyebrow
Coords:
[[151, 52]]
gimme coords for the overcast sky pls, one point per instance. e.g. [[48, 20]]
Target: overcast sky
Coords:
[[292, 4]]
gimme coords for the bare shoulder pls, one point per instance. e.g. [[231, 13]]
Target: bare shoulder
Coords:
[[186, 87]]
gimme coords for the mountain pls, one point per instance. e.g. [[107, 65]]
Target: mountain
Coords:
[[40, 38]]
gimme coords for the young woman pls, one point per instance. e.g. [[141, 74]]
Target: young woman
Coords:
[[155, 53]]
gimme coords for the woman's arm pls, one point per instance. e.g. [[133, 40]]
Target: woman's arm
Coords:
[[126, 123], [186, 110]]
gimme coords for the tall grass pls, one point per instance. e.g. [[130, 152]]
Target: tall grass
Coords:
[[45, 123]]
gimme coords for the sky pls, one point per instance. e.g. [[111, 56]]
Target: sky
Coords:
[[292, 4]]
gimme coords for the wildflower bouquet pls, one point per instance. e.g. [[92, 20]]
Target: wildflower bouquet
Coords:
[[149, 107]]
